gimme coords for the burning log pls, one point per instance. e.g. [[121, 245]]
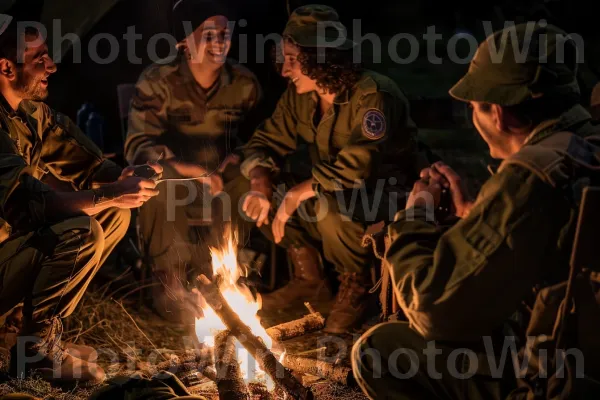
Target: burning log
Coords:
[[289, 330], [230, 382], [311, 366], [256, 347]]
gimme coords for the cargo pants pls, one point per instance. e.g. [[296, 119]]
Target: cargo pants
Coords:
[[165, 234], [333, 224], [50, 269], [393, 361]]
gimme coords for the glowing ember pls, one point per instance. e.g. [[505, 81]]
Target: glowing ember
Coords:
[[240, 299]]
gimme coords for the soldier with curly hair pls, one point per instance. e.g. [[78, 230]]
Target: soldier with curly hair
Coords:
[[362, 145]]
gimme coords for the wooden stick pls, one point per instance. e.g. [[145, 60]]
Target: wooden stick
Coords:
[[289, 330], [230, 382], [192, 363], [309, 307], [312, 366], [265, 358]]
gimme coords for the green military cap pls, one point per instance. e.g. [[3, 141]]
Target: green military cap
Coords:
[[317, 25], [518, 63]]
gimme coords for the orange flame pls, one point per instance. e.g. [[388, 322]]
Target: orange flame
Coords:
[[240, 299]]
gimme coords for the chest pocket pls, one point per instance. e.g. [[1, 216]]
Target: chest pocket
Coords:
[[339, 139], [185, 119], [221, 121]]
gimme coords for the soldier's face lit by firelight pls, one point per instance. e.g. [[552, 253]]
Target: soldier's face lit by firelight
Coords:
[[211, 42], [31, 76], [292, 69]]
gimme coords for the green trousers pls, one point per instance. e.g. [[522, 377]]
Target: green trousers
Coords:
[[319, 223], [176, 253], [391, 361], [49, 270], [165, 219]]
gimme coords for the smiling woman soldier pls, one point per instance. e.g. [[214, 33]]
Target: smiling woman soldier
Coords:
[[192, 111], [360, 137]]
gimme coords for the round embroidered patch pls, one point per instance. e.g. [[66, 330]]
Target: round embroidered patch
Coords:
[[373, 124]]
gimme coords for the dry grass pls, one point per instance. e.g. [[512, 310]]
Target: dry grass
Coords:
[[127, 338], [42, 389]]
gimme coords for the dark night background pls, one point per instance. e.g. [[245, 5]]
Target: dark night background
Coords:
[[426, 84]]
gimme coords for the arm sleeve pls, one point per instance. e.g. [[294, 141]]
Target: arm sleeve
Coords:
[[22, 197], [463, 283], [381, 126], [273, 139], [147, 122], [72, 157], [253, 112]]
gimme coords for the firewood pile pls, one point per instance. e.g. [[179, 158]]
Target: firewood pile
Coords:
[[215, 373]]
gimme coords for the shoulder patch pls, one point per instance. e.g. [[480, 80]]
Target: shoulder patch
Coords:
[[374, 124]]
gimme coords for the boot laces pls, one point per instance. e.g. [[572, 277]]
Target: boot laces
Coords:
[[351, 290], [50, 343]]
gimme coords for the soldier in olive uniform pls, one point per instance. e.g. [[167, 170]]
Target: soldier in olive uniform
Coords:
[[462, 284], [362, 144], [191, 112], [56, 240]]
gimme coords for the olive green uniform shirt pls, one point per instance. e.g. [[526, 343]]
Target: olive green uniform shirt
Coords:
[[172, 115], [462, 283], [34, 141], [368, 134]]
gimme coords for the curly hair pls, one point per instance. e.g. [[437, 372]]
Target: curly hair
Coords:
[[334, 70]]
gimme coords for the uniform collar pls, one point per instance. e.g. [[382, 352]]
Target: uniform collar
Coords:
[[25, 107], [568, 121], [341, 98], [364, 85], [186, 74], [6, 108]]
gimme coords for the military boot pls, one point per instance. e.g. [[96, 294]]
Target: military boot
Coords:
[[351, 304], [307, 284], [38, 350], [14, 323]]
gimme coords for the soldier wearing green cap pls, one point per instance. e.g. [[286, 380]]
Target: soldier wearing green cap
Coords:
[[191, 113], [361, 141], [459, 286]]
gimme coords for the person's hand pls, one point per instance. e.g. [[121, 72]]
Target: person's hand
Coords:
[[129, 171], [187, 170], [215, 180], [426, 193], [292, 200], [215, 183], [441, 172], [232, 159], [258, 201], [132, 191]]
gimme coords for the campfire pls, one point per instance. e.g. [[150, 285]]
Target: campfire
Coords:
[[242, 349], [226, 272]]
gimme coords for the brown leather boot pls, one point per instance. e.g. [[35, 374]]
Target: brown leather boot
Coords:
[[14, 323], [307, 284], [351, 303], [38, 349]]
